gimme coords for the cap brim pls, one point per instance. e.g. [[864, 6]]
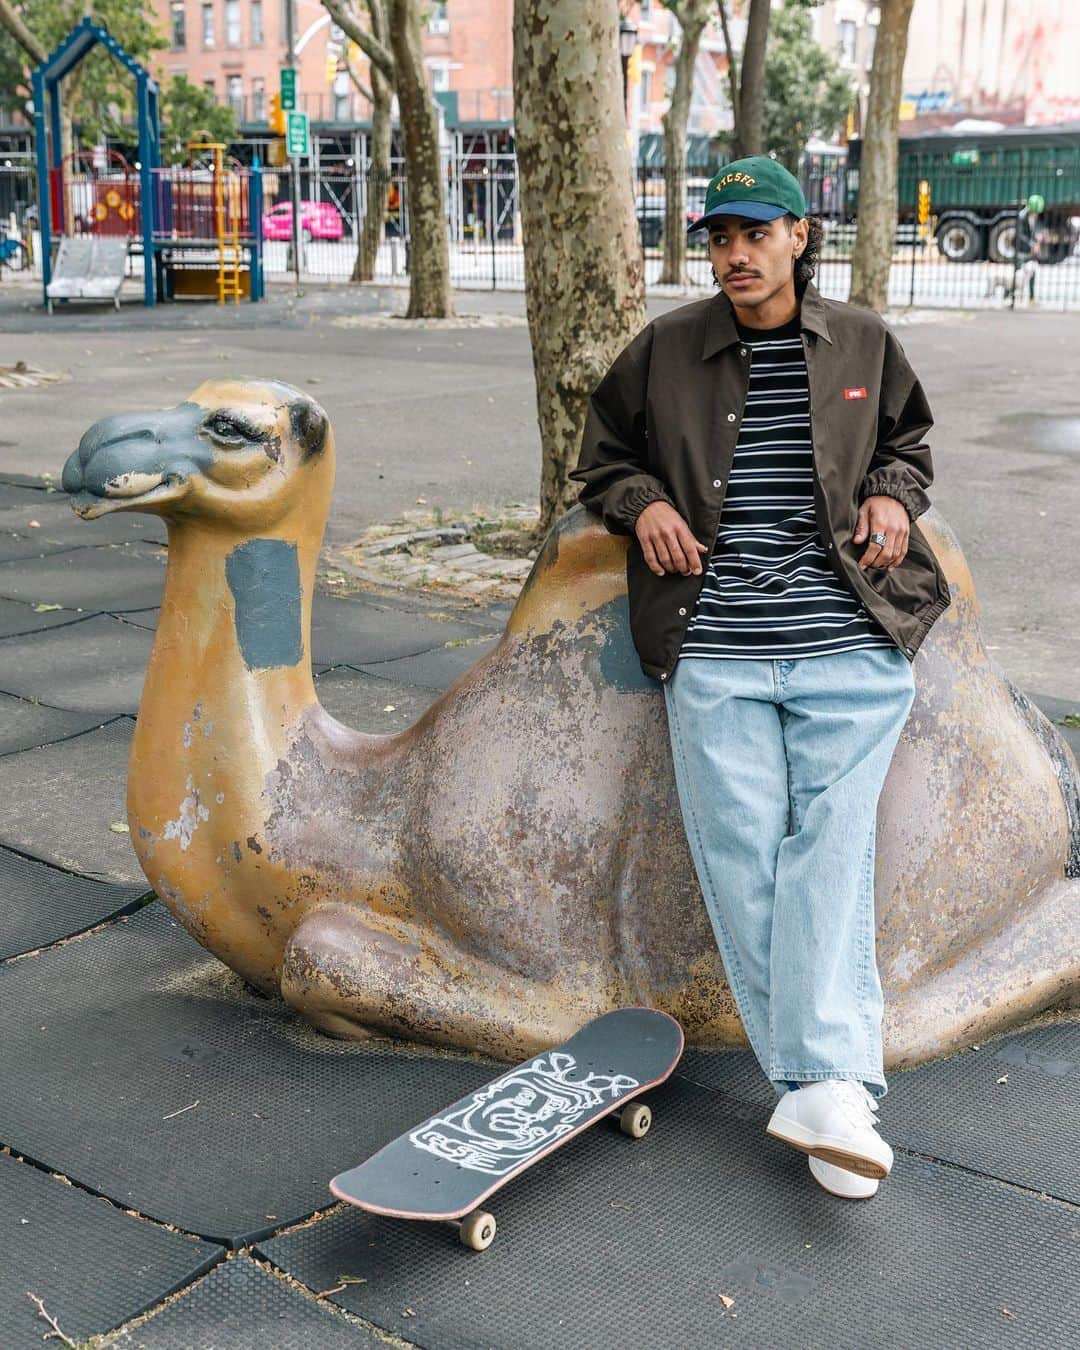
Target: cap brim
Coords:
[[751, 210]]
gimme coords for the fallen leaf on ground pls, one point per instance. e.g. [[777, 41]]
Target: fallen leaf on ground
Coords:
[[44, 609], [118, 827]]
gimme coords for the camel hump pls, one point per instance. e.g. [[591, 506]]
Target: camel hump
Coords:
[[576, 596]]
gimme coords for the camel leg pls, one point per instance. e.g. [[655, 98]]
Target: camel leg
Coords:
[[352, 973]]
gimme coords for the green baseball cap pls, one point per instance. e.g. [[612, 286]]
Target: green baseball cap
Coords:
[[757, 187]]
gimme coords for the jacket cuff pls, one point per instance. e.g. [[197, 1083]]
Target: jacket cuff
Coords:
[[887, 483], [644, 491]]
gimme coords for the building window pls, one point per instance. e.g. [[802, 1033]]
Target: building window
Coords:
[[439, 21], [234, 93], [847, 31], [232, 23], [258, 99], [179, 27], [256, 23], [440, 77], [208, 25], [208, 85]]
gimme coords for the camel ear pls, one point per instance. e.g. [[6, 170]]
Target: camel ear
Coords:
[[309, 425]]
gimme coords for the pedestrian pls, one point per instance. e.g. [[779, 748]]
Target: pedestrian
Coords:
[[1030, 228], [765, 450]]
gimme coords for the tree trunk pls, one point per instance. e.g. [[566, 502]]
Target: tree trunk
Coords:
[[732, 75], [584, 274], [378, 183], [429, 250], [692, 19], [871, 259], [748, 133]]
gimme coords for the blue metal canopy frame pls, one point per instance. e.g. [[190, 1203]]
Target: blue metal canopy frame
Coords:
[[46, 78]]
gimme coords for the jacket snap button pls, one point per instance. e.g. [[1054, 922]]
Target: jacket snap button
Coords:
[[830, 545], [742, 351], [716, 482], [682, 611], [663, 676], [731, 417]]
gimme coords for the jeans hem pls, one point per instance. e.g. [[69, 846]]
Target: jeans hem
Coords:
[[871, 1079]]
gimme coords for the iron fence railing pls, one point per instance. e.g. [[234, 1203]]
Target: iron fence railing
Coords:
[[962, 255]]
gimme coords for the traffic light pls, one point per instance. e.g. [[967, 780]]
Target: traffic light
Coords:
[[331, 65], [277, 115], [633, 66]]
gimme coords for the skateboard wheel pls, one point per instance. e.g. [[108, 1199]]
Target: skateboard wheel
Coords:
[[635, 1120], [477, 1230]]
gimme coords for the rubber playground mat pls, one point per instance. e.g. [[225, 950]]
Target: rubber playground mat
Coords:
[[97, 666], [60, 803], [366, 703], [611, 1240], [241, 1306], [116, 577], [92, 1265], [43, 904], [16, 617], [24, 724], [1007, 1109], [435, 669], [47, 518], [139, 1066]]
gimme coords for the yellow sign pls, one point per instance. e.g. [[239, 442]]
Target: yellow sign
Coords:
[[908, 110]]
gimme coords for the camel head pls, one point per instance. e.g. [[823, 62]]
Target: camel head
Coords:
[[247, 454]]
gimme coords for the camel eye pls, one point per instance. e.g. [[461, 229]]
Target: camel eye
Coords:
[[232, 431]]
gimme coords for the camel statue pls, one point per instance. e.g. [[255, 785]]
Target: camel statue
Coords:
[[514, 863]]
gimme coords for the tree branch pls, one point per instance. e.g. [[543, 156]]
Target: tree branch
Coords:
[[346, 20], [12, 21]]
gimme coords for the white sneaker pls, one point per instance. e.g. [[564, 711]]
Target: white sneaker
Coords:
[[839, 1181], [833, 1120]]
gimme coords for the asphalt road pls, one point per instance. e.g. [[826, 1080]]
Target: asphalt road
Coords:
[[448, 414]]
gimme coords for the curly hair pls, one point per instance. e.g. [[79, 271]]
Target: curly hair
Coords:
[[807, 261]]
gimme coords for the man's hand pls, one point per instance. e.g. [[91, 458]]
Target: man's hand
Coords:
[[667, 541], [889, 517]]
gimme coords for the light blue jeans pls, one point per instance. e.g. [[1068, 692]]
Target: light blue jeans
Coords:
[[779, 765]]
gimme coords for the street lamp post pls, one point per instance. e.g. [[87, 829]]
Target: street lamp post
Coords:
[[627, 43]]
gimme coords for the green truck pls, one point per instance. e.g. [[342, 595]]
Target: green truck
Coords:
[[978, 183]]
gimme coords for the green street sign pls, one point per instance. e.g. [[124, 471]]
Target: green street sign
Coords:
[[297, 139], [288, 88], [963, 158]]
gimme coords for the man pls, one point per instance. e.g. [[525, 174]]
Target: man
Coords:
[[765, 449], [1029, 231]]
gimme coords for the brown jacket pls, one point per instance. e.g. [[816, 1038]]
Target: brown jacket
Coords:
[[662, 424]]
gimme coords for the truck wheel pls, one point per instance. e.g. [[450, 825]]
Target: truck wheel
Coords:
[[1001, 246], [959, 240]]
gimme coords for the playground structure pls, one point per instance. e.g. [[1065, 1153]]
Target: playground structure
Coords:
[[197, 227]]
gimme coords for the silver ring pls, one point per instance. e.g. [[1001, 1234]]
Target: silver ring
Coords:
[[878, 538]]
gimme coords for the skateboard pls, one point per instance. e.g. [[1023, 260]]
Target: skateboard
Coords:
[[443, 1169]]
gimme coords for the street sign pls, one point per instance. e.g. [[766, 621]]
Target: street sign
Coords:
[[297, 139], [288, 88]]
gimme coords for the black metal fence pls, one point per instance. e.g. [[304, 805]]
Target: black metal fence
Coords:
[[956, 240]]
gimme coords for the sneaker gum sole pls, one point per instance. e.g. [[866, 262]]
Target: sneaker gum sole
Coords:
[[850, 1162], [845, 1195]]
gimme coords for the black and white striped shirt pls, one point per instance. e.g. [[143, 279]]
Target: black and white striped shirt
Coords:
[[768, 589]]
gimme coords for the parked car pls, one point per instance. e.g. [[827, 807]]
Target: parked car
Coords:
[[318, 220], [650, 213]]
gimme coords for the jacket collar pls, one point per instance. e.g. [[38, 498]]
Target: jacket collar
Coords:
[[720, 330]]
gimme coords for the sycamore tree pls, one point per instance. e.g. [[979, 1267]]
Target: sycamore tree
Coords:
[[98, 94], [807, 92], [189, 113]]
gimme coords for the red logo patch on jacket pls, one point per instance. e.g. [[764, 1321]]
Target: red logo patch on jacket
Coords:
[[854, 393]]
